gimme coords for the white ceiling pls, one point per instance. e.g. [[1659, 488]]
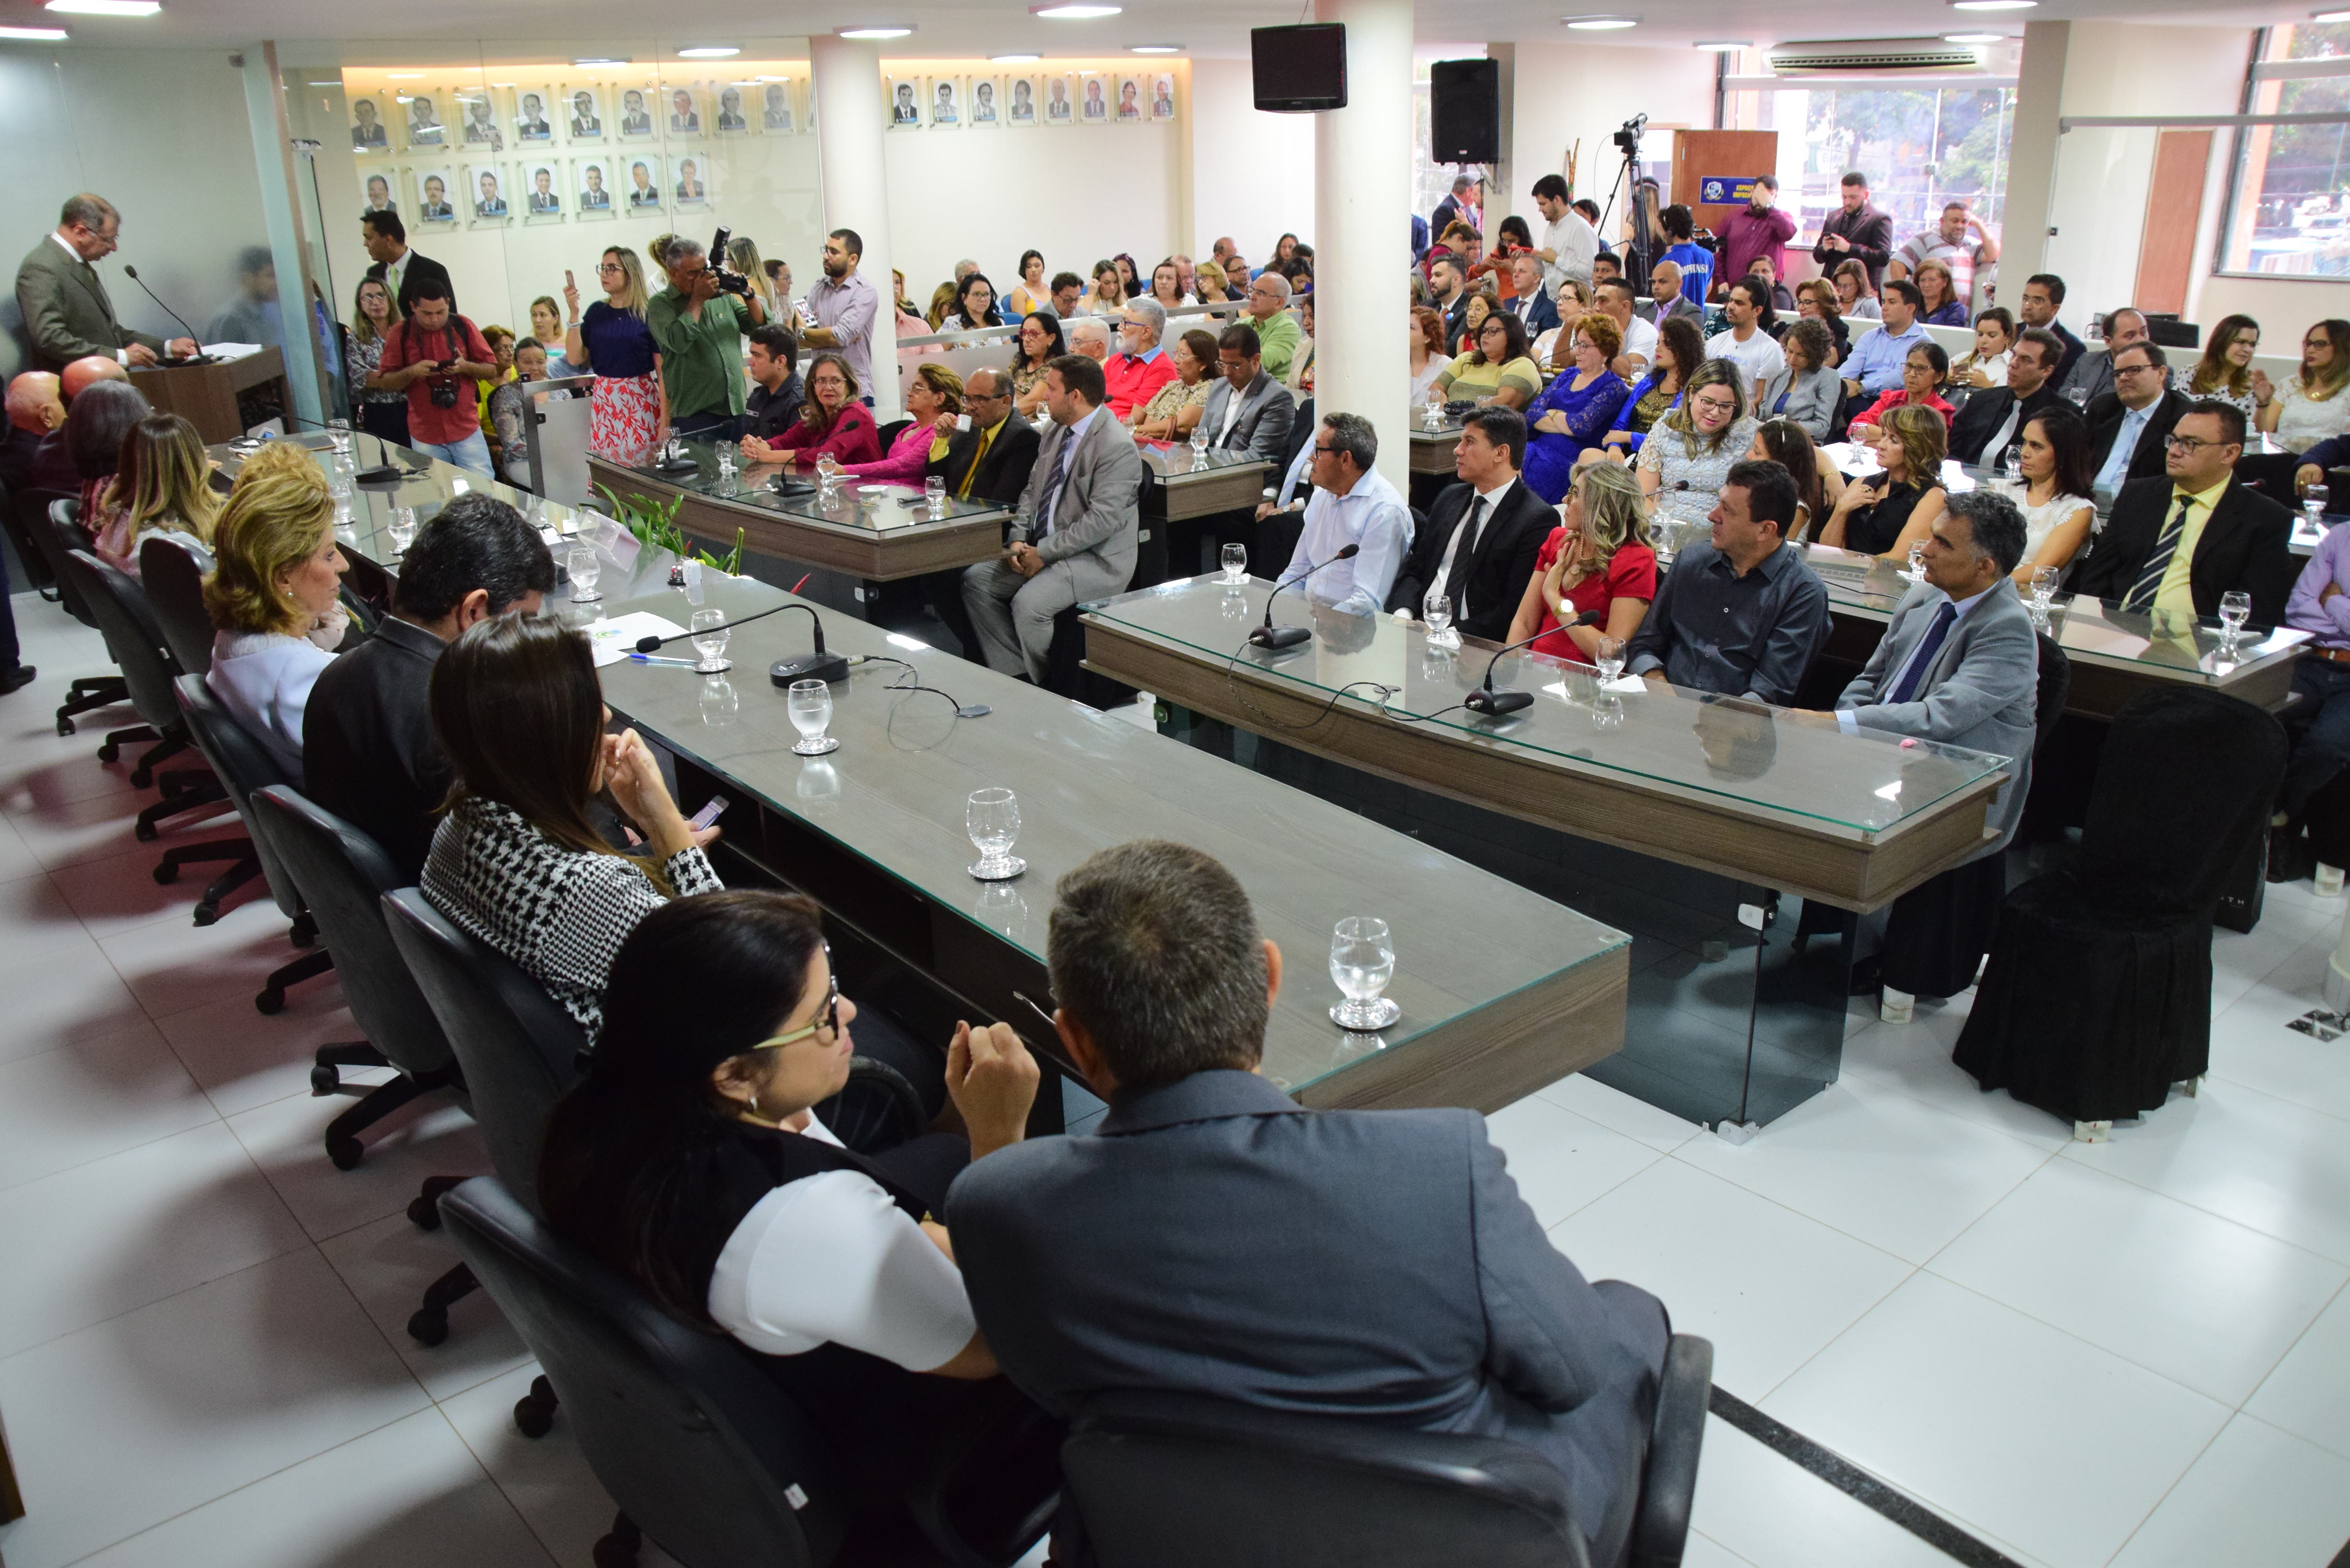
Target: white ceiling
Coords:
[[345, 31]]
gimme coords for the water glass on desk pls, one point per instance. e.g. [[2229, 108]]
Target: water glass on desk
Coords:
[[710, 637], [402, 528], [2235, 609], [934, 495], [2312, 503], [1200, 444], [1438, 613], [1916, 572], [1235, 558], [809, 705], [338, 431], [992, 817], [1608, 656], [2043, 590], [1362, 963], [585, 568], [827, 472]]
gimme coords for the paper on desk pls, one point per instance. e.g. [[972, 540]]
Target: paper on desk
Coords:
[[615, 640], [1626, 684], [230, 351]]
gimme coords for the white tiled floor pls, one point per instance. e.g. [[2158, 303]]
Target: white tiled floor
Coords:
[[2136, 1354]]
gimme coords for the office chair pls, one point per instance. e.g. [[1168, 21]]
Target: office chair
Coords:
[[18, 516], [172, 573], [56, 531]]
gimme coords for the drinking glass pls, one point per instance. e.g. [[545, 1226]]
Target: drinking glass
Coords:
[[2043, 589], [1438, 616], [2235, 609], [1916, 573], [402, 527], [934, 495], [726, 460], [2011, 464], [1432, 416], [1200, 445], [2077, 396], [1607, 713], [339, 432], [1362, 962], [1667, 537], [810, 704], [585, 567], [1235, 561], [992, 817], [710, 635], [339, 477], [827, 472], [719, 701], [1608, 656], [2313, 502]]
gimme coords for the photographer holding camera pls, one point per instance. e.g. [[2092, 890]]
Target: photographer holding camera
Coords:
[[699, 321], [438, 357]]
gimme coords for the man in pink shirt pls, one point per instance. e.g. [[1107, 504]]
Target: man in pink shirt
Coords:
[[1757, 229], [1136, 372]]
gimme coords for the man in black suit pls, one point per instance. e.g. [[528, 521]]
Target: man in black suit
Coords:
[[2175, 543], [1537, 309], [1994, 418], [988, 463], [2129, 425], [2043, 293], [368, 750], [1448, 286], [1483, 534], [396, 266]]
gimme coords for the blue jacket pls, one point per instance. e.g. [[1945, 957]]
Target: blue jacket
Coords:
[[1640, 388]]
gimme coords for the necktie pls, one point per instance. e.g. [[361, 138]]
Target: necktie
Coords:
[[1456, 571], [963, 491], [2166, 545], [1052, 491], [2117, 460], [1913, 674]]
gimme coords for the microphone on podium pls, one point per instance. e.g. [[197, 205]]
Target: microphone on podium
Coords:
[[200, 357], [1272, 636]]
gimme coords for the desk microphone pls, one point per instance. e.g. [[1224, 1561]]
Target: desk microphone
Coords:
[[193, 337], [1492, 703], [816, 666], [1272, 636]]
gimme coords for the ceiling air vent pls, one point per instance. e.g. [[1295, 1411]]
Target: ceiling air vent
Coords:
[[1874, 57]]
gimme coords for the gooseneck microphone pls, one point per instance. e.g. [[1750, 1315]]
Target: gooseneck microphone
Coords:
[[1487, 700], [1272, 636], [816, 666], [193, 335]]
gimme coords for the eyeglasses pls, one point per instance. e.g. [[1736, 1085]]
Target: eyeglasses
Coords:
[[611, 266], [1321, 450], [2190, 445], [826, 1027], [1714, 405], [2121, 371]]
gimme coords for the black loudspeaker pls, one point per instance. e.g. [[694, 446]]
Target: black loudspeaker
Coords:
[[1464, 111], [1299, 69]]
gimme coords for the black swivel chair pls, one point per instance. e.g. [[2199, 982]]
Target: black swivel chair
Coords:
[[58, 532], [1172, 1480], [700, 1449], [172, 573], [22, 517]]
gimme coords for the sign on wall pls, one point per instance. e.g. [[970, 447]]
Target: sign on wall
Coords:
[[1715, 190]]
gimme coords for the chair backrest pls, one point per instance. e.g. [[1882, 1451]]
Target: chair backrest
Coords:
[[2056, 685], [172, 573], [699, 1449], [2186, 780], [58, 532], [516, 1047], [343, 874], [242, 767], [1172, 1480], [26, 509], [131, 635]]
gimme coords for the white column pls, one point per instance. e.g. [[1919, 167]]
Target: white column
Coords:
[[851, 117], [2032, 154], [1362, 197]]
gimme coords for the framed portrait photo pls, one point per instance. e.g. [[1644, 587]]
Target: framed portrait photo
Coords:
[[489, 197], [477, 122], [778, 114], [1128, 110], [945, 103], [370, 130], [682, 110], [582, 109], [436, 194], [732, 119], [543, 190], [420, 120], [637, 115], [593, 194], [375, 185], [1092, 99], [1023, 101], [1162, 95], [640, 183], [690, 189], [534, 117], [905, 109], [985, 106], [1059, 91]]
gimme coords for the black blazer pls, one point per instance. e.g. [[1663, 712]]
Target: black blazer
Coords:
[[1498, 572], [369, 754], [2104, 414], [2245, 545], [419, 267], [1985, 412], [1003, 474]]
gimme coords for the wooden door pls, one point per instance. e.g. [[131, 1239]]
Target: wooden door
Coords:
[[2174, 203]]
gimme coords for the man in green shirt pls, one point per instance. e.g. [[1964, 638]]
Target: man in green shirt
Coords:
[[1276, 330], [699, 329]]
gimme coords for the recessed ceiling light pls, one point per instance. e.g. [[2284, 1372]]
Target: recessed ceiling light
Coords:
[[1725, 44], [1974, 37], [594, 60], [1014, 59], [1154, 48], [709, 52], [774, 79], [107, 7], [1074, 13], [1993, 4], [871, 32], [34, 34], [1600, 24], [2330, 15]]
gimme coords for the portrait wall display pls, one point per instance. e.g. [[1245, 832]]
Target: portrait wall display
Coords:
[[777, 114], [636, 122], [1023, 101], [640, 183], [583, 112], [905, 103], [371, 132], [1060, 99], [543, 193], [436, 193], [534, 118], [420, 124], [1128, 108], [593, 192], [690, 189], [945, 103], [488, 197], [478, 121], [1162, 98], [1092, 99], [986, 108], [732, 119], [381, 198], [683, 106]]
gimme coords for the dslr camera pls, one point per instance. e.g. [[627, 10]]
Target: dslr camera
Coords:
[[729, 281]]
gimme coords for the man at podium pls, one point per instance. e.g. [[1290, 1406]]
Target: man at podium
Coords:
[[67, 311]]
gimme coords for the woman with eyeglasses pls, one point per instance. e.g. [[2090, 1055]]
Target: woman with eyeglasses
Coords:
[[831, 421], [694, 1160], [1499, 369], [1037, 345], [1689, 452], [2312, 408], [628, 413]]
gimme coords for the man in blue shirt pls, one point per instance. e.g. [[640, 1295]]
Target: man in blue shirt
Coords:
[[1878, 355], [1741, 616], [1695, 261], [1351, 504]]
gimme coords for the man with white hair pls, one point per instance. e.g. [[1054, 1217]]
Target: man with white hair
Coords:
[[963, 269], [1267, 309], [1136, 374], [1089, 335]]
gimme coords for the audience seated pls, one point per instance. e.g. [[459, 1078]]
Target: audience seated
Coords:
[[1665, 300], [1090, 336], [1680, 350], [2092, 376], [990, 458], [369, 751], [1076, 534], [1247, 409], [99, 416], [1499, 370], [2224, 370], [1923, 368], [1140, 367], [517, 860], [35, 412], [973, 306], [1030, 294], [1173, 411], [2129, 425], [1738, 614], [1530, 301], [1689, 452], [1265, 308], [1554, 349], [1612, 297], [1300, 377], [1811, 390], [276, 619], [2057, 502], [1874, 364], [1943, 308], [1819, 483], [832, 422], [1747, 340], [1482, 534], [2319, 605], [933, 404], [1885, 513], [162, 486], [510, 412], [1428, 359], [1598, 559], [2175, 543], [1388, 1273], [2036, 308], [1994, 418], [1038, 343], [1858, 297], [1351, 504], [1575, 410], [773, 405], [2311, 406], [1986, 364], [1815, 300]]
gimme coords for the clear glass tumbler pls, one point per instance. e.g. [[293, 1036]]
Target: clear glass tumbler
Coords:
[[1362, 962], [585, 567], [809, 704], [710, 633], [1234, 557], [992, 817]]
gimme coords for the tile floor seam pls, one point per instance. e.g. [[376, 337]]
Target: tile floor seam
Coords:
[[361, 1307], [483, 1465], [6, 1188], [2157, 1506]]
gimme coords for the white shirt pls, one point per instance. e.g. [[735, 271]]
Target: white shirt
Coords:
[[263, 680], [1640, 341], [1480, 510], [1849, 721], [1292, 484], [122, 356], [1575, 244], [1372, 515], [830, 1258], [1067, 458], [1759, 356], [1233, 401]]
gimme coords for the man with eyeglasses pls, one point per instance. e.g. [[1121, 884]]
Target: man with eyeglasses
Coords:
[[1278, 332], [2092, 374], [2178, 541], [1352, 504], [700, 328], [2127, 425]]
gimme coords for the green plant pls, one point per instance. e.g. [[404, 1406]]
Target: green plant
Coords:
[[654, 524]]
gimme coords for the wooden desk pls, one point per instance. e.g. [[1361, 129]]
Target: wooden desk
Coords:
[[1431, 451], [205, 395], [1220, 482]]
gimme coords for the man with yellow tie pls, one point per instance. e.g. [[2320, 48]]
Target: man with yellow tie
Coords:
[[2174, 545], [987, 461]]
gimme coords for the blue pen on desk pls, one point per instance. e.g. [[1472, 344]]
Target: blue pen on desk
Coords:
[[648, 658]]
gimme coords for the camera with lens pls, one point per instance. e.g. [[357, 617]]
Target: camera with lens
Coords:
[[443, 391], [729, 281], [1628, 140]]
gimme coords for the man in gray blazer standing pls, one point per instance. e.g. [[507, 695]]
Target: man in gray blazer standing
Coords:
[[1077, 532], [68, 314], [1215, 1238]]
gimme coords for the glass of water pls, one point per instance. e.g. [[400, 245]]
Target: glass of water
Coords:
[[1362, 962], [1916, 573], [1608, 656], [2313, 500], [828, 472], [1438, 613], [339, 432], [720, 704], [1200, 445], [2011, 464], [726, 460], [585, 567], [810, 704], [1432, 416], [1236, 562], [992, 817], [402, 527], [2043, 589], [2235, 609], [934, 495], [710, 637]]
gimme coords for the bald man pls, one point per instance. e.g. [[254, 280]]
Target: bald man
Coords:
[[90, 368], [35, 410]]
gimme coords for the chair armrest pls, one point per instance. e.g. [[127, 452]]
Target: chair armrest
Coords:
[[1669, 1480]]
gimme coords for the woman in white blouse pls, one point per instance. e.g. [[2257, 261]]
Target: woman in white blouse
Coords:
[[276, 619], [2224, 372], [1428, 359], [695, 1159], [2057, 511], [2313, 406]]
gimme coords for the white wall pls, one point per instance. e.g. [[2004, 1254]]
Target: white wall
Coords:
[[162, 134], [1251, 173], [1565, 93]]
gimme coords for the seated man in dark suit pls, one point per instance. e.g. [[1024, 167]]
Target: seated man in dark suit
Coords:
[[2129, 425], [1249, 412], [369, 754], [990, 461], [1993, 420], [1482, 534], [1739, 615], [1216, 1238], [2175, 543], [2327, 456]]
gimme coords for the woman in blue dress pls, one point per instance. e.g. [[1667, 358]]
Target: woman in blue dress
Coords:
[[1575, 411]]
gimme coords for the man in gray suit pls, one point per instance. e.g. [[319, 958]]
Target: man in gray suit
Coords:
[[66, 312], [1215, 1238], [1247, 409], [1076, 531]]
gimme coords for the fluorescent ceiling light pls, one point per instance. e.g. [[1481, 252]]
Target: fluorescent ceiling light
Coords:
[[1154, 48], [1600, 24], [107, 7], [1726, 44], [34, 34], [1993, 4], [871, 32], [599, 60], [709, 52], [2330, 15], [1014, 59], [1074, 13], [774, 79], [1974, 37]]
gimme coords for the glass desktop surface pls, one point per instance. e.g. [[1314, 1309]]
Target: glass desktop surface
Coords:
[[1447, 428], [1688, 742], [426, 484], [871, 508], [1175, 461]]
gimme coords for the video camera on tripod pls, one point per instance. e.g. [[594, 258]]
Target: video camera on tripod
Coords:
[[1628, 140]]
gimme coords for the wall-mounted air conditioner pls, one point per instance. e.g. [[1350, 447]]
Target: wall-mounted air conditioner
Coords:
[[1872, 56]]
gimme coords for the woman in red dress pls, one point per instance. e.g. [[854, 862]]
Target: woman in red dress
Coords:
[[1597, 559]]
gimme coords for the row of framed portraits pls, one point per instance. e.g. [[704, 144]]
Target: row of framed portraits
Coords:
[[492, 120], [492, 194], [1023, 102]]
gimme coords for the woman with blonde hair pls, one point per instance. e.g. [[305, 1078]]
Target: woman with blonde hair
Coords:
[[2224, 373], [2310, 407], [162, 485], [1884, 514], [1598, 559], [934, 400], [383, 411], [628, 412], [547, 326], [273, 596], [743, 257]]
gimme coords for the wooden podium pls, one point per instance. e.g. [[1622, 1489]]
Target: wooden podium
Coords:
[[205, 395]]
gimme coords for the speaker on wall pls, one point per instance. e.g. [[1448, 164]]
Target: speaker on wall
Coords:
[[1299, 69], [1464, 111]]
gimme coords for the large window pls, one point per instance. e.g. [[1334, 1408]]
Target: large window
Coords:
[[2289, 204], [1920, 147]]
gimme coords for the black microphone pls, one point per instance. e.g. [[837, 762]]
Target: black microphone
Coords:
[[1272, 636], [193, 337], [1487, 700]]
